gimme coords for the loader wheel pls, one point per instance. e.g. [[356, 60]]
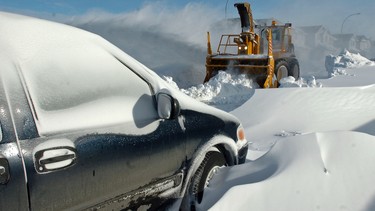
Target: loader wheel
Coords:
[[294, 69], [281, 70]]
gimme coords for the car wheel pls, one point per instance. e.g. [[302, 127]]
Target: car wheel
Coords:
[[201, 179]]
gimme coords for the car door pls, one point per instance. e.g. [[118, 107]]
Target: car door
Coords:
[[102, 144], [13, 189]]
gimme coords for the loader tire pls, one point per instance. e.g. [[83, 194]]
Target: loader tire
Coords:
[[281, 70], [294, 69]]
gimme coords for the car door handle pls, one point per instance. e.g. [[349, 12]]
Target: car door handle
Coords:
[[55, 158]]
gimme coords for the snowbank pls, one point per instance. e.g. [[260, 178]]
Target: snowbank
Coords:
[[290, 81], [226, 90], [349, 69], [335, 64]]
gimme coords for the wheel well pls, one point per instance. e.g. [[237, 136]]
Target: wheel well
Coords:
[[225, 149], [228, 154]]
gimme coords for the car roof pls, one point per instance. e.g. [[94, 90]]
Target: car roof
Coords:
[[24, 38]]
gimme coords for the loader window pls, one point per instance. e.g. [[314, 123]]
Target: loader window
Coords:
[[276, 35], [276, 38]]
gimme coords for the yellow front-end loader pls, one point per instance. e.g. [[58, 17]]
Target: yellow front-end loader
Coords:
[[267, 56]]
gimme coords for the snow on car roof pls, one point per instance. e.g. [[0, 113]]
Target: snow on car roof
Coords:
[[25, 38]]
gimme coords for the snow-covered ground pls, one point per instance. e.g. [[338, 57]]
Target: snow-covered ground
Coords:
[[311, 144]]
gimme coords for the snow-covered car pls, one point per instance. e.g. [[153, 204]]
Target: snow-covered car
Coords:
[[86, 126]]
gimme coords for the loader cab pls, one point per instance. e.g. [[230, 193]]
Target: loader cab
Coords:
[[281, 39]]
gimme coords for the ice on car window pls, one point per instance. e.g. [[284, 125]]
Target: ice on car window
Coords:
[[80, 85]]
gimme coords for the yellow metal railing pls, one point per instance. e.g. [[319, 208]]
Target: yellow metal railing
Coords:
[[228, 43]]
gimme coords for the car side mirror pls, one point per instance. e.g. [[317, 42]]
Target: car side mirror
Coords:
[[168, 107]]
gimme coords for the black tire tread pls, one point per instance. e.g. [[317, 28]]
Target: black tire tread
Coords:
[[212, 159]]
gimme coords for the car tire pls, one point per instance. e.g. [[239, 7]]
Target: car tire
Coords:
[[212, 161]]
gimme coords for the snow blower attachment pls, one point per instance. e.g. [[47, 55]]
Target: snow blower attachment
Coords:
[[267, 56]]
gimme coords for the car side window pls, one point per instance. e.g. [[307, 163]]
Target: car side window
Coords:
[[84, 86]]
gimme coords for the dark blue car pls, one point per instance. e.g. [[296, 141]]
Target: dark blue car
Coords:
[[83, 126]]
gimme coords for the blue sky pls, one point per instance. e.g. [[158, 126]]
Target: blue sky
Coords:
[[73, 7], [329, 13]]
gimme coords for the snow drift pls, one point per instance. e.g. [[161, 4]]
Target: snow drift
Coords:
[[311, 149]]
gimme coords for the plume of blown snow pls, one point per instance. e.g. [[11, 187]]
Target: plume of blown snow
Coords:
[[170, 41], [188, 24]]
